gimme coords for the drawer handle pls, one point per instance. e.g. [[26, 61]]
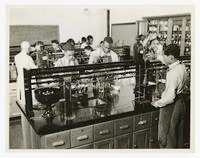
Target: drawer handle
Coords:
[[106, 131], [142, 122], [59, 143], [124, 127], [84, 137], [156, 119], [151, 141]]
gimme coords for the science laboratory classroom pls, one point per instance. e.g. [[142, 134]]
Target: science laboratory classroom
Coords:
[[99, 77]]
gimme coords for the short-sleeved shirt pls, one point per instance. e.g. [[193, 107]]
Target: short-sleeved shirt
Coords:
[[99, 53], [65, 61]]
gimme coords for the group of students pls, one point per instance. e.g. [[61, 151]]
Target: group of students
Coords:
[[36, 59], [44, 58]]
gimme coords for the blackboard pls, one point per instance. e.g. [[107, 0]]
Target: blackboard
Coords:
[[125, 32], [32, 33]]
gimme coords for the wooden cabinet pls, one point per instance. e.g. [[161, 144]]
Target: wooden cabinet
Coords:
[[170, 29], [139, 131], [123, 141], [104, 144], [141, 139]]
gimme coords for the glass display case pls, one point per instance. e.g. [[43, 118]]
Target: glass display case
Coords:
[[170, 29], [159, 27], [80, 93]]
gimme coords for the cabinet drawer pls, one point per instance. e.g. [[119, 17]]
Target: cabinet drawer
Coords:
[[87, 146], [59, 140], [154, 118], [141, 121], [123, 126], [103, 130], [81, 136]]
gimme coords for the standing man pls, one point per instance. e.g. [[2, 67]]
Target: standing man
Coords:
[[104, 53], [24, 61], [171, 104]]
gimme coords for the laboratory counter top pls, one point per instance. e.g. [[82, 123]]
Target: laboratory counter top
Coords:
[[82, 116]]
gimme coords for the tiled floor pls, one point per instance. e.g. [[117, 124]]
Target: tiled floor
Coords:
[[15, 135]]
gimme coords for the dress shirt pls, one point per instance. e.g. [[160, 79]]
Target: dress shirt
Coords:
[[175, 83], [65, 61], [97, 54]]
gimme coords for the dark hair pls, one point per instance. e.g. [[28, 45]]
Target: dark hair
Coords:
[[83, 39], [71, 41], [172, 49], [139, 37], [89, 48], [39, 43], [108, 40], [89, 37], [55, 41]]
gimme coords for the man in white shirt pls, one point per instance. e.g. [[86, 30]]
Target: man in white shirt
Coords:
[[172, 106], [104, 54], [23, 61]]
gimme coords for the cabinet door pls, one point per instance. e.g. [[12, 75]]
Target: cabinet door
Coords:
[[104, 144], [141, 139], [123, 142], [153, 141]]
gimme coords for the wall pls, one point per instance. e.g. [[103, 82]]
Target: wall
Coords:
[[73, 22], [126, 14]]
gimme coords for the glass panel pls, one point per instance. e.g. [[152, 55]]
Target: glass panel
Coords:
[[187, 50], [176, 32], [163, 27]]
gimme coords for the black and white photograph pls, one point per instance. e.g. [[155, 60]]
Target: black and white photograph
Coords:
[[100, 77]]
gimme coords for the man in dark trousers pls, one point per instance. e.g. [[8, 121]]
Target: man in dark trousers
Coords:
[[172, 106]]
